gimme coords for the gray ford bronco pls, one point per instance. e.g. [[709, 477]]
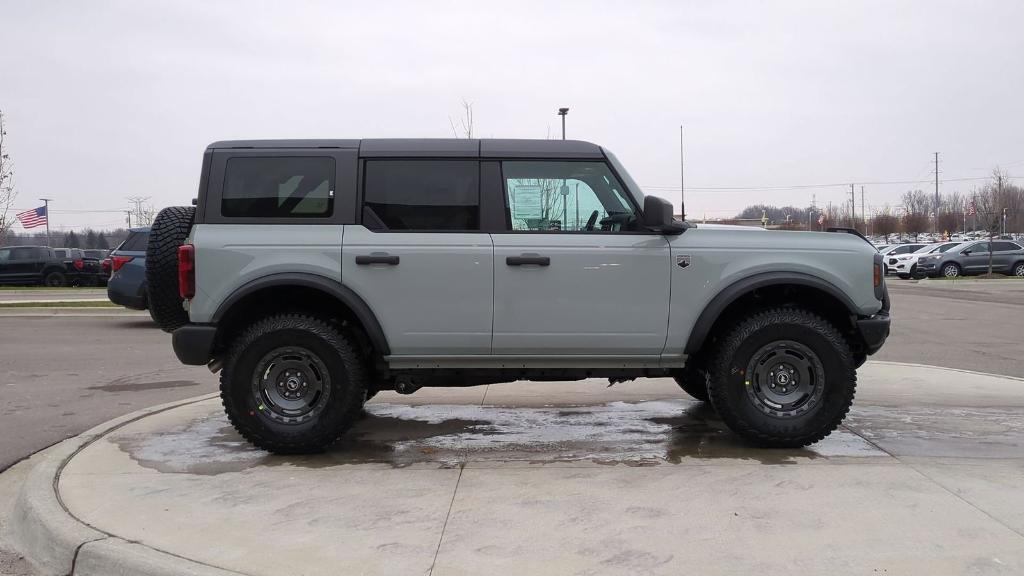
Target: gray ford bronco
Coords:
[[314, 273]]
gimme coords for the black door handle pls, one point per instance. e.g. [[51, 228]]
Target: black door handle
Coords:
[[364, 260], [528, 259]]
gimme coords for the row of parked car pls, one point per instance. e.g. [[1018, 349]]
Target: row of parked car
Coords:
[[953, 259], [122, 270], [42, 265]]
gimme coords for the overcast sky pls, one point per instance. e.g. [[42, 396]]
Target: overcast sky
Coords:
[[106, 100]]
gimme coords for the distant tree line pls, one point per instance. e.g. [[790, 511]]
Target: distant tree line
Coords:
[[88, 239], [915, 214]]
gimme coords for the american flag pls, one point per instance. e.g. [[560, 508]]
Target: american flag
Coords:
[[33, 218]]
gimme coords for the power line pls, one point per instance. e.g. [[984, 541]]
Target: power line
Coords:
[[807, 186]]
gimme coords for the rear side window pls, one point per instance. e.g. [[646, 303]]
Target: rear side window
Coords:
[[136, 242], [264, 187], [421, 195], [1004, 246]]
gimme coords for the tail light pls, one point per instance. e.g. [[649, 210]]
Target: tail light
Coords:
[[118, 261], [187, 271], [105, 265], [79, 264]]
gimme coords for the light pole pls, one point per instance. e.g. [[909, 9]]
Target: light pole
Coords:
[[1004, 221], [562, 112], [46, 208]]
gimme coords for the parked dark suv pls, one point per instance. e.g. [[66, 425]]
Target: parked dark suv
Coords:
[[127, 284], [973, 258], [31, 265]]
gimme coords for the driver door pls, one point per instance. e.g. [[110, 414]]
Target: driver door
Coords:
[[573, 273]]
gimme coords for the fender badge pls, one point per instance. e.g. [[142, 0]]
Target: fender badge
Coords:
[[682, 261]]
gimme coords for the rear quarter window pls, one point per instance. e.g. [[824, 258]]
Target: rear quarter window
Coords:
[[278, 187], [135, 242]]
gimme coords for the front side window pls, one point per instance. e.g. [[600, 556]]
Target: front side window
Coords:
[[558, 196], [5, 254], [22, 253], [421, 195], [287, 187]]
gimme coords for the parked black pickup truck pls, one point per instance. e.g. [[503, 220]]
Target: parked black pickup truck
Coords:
[[32, 265], [82, 270]]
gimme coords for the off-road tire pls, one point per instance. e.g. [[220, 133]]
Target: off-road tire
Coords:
[[55, 279], [693, 381], [729, 385], [167, 233], [254, 421]]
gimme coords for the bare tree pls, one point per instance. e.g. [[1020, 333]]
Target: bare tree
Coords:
[[465, 123], [7, 192], [884, 223]]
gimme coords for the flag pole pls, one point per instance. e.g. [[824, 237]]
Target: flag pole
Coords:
[[46, 208]]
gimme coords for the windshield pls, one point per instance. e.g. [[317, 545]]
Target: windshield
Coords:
[[634, 188]]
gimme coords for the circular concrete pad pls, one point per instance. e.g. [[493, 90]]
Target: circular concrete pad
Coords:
[[926, 476]]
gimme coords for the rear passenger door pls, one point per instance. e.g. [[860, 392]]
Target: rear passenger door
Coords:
[[419, 258]]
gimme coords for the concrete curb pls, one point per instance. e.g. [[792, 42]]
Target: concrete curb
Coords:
[[58, 544]]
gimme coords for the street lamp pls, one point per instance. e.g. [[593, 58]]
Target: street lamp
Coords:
[[562, 112]]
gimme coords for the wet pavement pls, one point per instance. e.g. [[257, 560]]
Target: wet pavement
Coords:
[[581, 478]]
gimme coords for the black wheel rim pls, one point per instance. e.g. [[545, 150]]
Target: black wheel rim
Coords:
[[785, 379], [291, 385], [53, 281]]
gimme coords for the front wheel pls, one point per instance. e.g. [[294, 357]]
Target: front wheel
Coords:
[[1018, 270], [951, 270], [783, 378], [55, 280], [693, 381], [292, 384]]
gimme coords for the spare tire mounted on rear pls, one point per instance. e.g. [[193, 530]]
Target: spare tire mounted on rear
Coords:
[[167, 233]]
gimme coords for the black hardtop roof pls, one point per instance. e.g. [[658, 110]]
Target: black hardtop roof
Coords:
[[434, 147]]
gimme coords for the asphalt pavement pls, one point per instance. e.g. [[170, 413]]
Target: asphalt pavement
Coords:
[[61, 375]]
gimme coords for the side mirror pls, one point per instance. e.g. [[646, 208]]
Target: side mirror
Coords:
[[966, 252], [658, 216]]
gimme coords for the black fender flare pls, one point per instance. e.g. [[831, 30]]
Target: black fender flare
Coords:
[[341, 292], [730, 293]]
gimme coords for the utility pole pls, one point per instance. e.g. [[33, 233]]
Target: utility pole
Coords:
[[46, 208], [935, 224], [682, 186], [853, 208], [129, 213], [863, 210]]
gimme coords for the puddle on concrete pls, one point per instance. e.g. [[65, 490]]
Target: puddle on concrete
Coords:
[[636, 434]]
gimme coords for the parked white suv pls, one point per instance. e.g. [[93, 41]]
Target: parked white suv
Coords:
[[316, 273]]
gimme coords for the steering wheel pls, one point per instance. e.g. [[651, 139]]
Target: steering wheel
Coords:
[[591, 221]]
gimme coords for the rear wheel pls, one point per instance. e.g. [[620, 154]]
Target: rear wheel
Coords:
[[951, 270], [167, 233], [292, 384], [783, 378]]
